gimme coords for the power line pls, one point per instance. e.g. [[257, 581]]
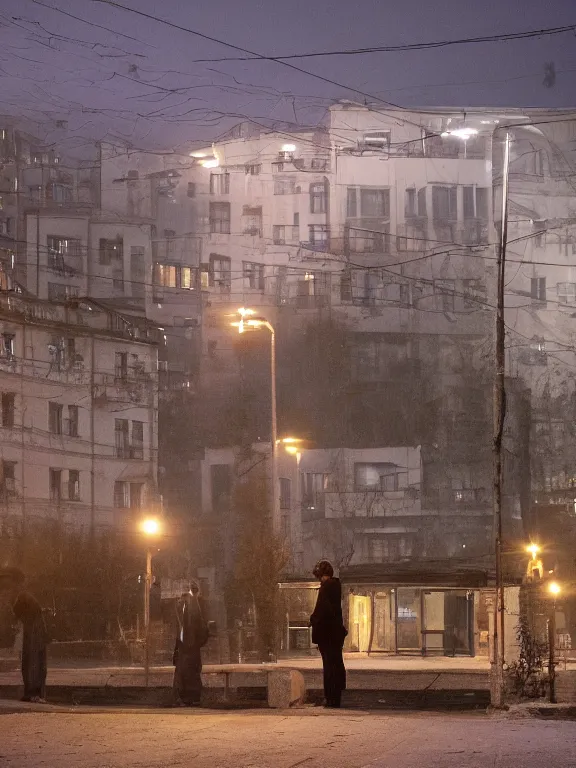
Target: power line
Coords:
[[407, 46]]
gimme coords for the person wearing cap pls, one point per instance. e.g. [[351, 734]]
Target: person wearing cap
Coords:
[[35, 638], [328, 632], [192, 635]]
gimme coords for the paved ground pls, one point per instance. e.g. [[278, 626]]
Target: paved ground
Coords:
[[309, 738]]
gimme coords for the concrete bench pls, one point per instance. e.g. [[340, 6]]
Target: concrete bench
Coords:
[[285, 686]]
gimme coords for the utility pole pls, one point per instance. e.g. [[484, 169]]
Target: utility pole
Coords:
[[499, 406]]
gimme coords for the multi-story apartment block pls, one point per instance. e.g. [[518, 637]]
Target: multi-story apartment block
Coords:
[[79, 428]]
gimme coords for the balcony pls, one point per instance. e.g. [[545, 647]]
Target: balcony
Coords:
[[135, 389]]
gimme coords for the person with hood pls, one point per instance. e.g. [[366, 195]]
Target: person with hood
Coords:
[[192, 635], [35, 638], [328, 632]]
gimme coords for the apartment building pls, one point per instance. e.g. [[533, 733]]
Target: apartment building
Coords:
[[79, 428]]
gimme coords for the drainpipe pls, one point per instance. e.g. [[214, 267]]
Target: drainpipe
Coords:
[[38, 253], [92, 438]]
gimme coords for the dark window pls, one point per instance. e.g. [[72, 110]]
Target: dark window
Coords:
[[137, 448], [55, 479], [319, 234], [379, 477], [318, 197], [219, 183], [221, 486], [136, 494], [73, 485], [220, 271], [482, 203], [538, 288], [253, 275], [8, 409], [8, 469], [220, 218], [285, 493], [191, 190], [253, 170], [445, 289], [122, 438], [468, 202], [7, 346], [444, 203], [121, 495], [121, 365], [72, 421], [55, 418], [61, 292], [111, 250]]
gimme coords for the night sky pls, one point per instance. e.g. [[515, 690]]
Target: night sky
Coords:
[[152, 92]]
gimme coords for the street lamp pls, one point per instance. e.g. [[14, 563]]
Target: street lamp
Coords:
[[554, 590], [533, 549], [499, 405], [150, 527], [250, 322]]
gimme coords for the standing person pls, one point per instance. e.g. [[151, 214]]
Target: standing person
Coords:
[[35, 639], [192, 635], [328, 632]]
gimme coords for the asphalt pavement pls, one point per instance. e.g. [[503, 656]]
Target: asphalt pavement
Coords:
[[311, 738]]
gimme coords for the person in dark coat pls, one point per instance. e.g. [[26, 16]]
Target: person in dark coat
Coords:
[[35, 639], [192, 635], [328, 632]]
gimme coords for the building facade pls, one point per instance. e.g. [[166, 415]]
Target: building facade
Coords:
[[79, 415]]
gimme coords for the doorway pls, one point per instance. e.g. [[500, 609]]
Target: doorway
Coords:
[[360, 623]]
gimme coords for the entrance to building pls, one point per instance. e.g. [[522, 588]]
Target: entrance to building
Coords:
[[383, 635], [360, 622], [448, 621]]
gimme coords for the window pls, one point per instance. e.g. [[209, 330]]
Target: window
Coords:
[[8, 399], [253, 275], [55, 411], [475, 202], [55, 480], [285, 493], [219, 183], [220, 218], [8, 476], [60, 193], [444, 203], [566, 293], [111, 250], [253, 170], [538, 288], [73, 485], [252, 220], [319, 163], [62, 292], [72, 422], [368, 202], [445, 290], [319, 235], [175, 276], [121, 365], [318, 197], [220, 272], [368, 239], [314, 487], [191, 189], [137, 448], [379, 477], [285, 187], [59, 248], [128, 495], [221, 486], [285, 234], [122, 438], [7, 346], [415, 204]]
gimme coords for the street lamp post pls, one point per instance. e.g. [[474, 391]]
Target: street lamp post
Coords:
[[248, 321], [554, 590], [499, 413], [150, 527]]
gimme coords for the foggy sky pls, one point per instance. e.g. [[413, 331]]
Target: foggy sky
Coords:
[[54, 66]]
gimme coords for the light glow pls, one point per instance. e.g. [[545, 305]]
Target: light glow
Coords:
[[533, 549], [554, 588], [199, 153], [461, 133], [288, 147], [213, 162], [150, 526], [291, 449]]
